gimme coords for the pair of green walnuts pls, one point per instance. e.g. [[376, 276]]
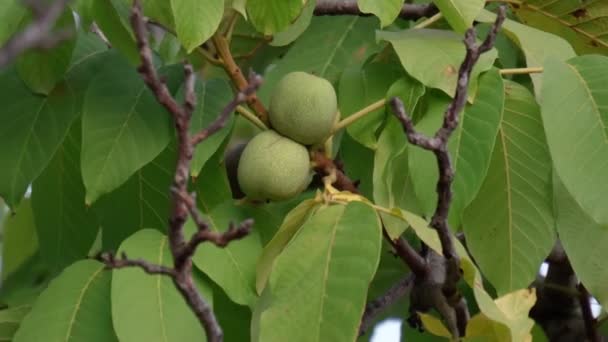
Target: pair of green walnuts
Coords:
[[275, 165]]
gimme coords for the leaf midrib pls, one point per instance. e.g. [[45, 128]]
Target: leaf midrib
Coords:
[[118, 136], [79, 302], [326, 273]]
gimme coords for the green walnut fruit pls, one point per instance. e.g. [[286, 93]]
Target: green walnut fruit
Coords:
[[273, 167], [303, 107]]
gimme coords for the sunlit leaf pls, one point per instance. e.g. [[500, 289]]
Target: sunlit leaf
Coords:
[[460, 13], [75, 307], [270, 16], [361, 86], [387, 10], [318, 286], [196, 21], [19, 238], [583, 240], [470, 147], [509, 226], [234, 266], [288, 229], [325, 49], [582, 24], [148, 307], [434, 56], [536, 45], [294, 30], [575, 113]]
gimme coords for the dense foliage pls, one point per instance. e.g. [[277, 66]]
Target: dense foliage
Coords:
[[128, 130]]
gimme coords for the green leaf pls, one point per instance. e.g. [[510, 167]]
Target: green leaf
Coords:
[[325, 49], [392, 181], [123, 129], [142, 202], [460, 13], [159, 10], [11, 14], [42, 70], [10, 319], [582, 24], [148, 307], [584, 241], [211, 97], [89, 56], [434, 325], [270, 16], [470, 147], [196, 21], [289, 228], [233, 318], [536, 45], [119, 35], [291, 33], [213, 187], [233, 267], [66, 227], [509, 226], [387, 10], [318, 286], [360, 87], [31, 129], [575, 112], [75, 307], [19, 240], [434, 56]]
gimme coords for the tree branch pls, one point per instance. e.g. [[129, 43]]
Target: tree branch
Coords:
[[590, 322], [184, 204], [408, 11], [112, 262], [324, 165], [378, 305], [408, 254], [39, 33], [236, 75], [438, 144]]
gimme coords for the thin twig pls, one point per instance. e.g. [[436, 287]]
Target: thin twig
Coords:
[[39, 33], [359, 114], [378, 305], [430, 21], [111, 261], [244, 112], [253, 84], [408, 11], [521, 71]]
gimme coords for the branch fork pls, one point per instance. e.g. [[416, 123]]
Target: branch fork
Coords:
[[183, 202], [438, 144]]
